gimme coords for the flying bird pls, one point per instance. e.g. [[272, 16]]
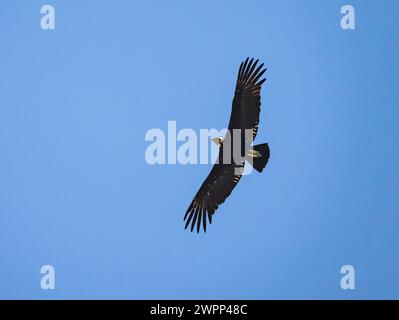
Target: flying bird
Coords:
[[234, 148]]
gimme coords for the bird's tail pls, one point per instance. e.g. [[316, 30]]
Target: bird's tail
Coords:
[[260, 158]]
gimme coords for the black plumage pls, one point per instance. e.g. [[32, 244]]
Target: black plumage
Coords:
[[225, 175]]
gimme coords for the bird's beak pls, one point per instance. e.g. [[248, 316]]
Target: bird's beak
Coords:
[[216, 141]]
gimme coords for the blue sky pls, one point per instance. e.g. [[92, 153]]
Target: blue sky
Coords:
[[76, 192]]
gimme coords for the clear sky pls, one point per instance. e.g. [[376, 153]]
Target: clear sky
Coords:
[[76, 192]]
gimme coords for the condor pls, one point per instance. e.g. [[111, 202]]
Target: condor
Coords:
[[234, 148]]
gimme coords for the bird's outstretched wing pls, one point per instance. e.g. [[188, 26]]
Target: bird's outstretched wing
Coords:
[[224, 177], [216, 188], [246, 103]]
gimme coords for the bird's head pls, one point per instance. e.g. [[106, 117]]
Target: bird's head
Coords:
[[218, 140]]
